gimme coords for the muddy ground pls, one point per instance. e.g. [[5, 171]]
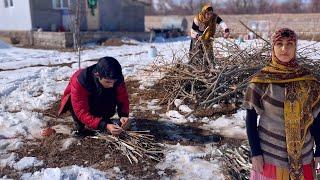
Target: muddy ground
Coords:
[[96, 153]]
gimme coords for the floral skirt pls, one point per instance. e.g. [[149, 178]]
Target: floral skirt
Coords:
[[271, 172]]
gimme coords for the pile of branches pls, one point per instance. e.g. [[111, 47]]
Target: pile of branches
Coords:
[[205, 82], [134, 145], [237, 161]]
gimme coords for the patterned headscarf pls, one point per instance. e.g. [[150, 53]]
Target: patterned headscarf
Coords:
[[202, 14], [284, 32], [278, 35], [210, 24], [279, 72]]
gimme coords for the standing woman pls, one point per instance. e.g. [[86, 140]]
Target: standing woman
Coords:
[[204, 28], [287, 98]]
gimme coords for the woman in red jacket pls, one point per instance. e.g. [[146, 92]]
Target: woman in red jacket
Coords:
[[94, 94]]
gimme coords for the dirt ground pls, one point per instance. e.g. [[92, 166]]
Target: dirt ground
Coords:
[[96, 153]]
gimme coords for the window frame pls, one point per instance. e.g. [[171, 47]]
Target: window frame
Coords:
[[8, 3], [54, 4]]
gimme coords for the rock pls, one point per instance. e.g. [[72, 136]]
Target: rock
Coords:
[[48, 132]]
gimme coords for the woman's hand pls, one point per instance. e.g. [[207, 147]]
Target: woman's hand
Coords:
[[114, 129], [125, 122], [199, 37], [257, 163]]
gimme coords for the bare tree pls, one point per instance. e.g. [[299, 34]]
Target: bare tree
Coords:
[[263, 6], [296, 6], [163, 7], [189, 5], [197, 5], [77, 14], [241, 6], [293, 6], [314, 6]]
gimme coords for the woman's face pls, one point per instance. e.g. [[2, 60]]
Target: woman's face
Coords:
[[107, 83], [208, 14], [285, 49]]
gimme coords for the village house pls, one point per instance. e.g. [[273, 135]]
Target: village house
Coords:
[[32, 21]]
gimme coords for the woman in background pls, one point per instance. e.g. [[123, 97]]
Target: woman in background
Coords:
[[203, 30]]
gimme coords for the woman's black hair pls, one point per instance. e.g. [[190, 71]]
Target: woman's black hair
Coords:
[[109, 67]]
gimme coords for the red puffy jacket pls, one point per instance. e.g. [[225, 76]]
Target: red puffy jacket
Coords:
[[88, 107]]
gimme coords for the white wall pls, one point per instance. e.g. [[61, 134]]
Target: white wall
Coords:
[[16, 18]]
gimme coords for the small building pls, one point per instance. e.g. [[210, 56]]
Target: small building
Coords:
[[23, 18], [52, 15]]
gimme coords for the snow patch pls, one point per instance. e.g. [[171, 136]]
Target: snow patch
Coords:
[[152, 105], [62, 129], [233, 127], [176, 117], [185, 109], [70, 172], [182, 107], [7, 159], [25, 123], [187, 162], [27, 162], [177, 102], [66, 143]]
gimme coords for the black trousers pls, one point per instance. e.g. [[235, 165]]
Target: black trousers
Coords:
[[81, 127]]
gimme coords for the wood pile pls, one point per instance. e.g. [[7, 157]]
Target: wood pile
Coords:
[[206, 82], [134, 145]]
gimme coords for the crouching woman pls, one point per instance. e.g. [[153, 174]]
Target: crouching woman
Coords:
[[94, 94]]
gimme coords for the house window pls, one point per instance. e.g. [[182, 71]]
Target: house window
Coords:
[[61, 4], [8, 3]]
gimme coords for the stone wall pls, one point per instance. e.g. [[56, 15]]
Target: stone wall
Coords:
[[51, 39], [96, 36], [65, 39], [17, 37], [306, 25]]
